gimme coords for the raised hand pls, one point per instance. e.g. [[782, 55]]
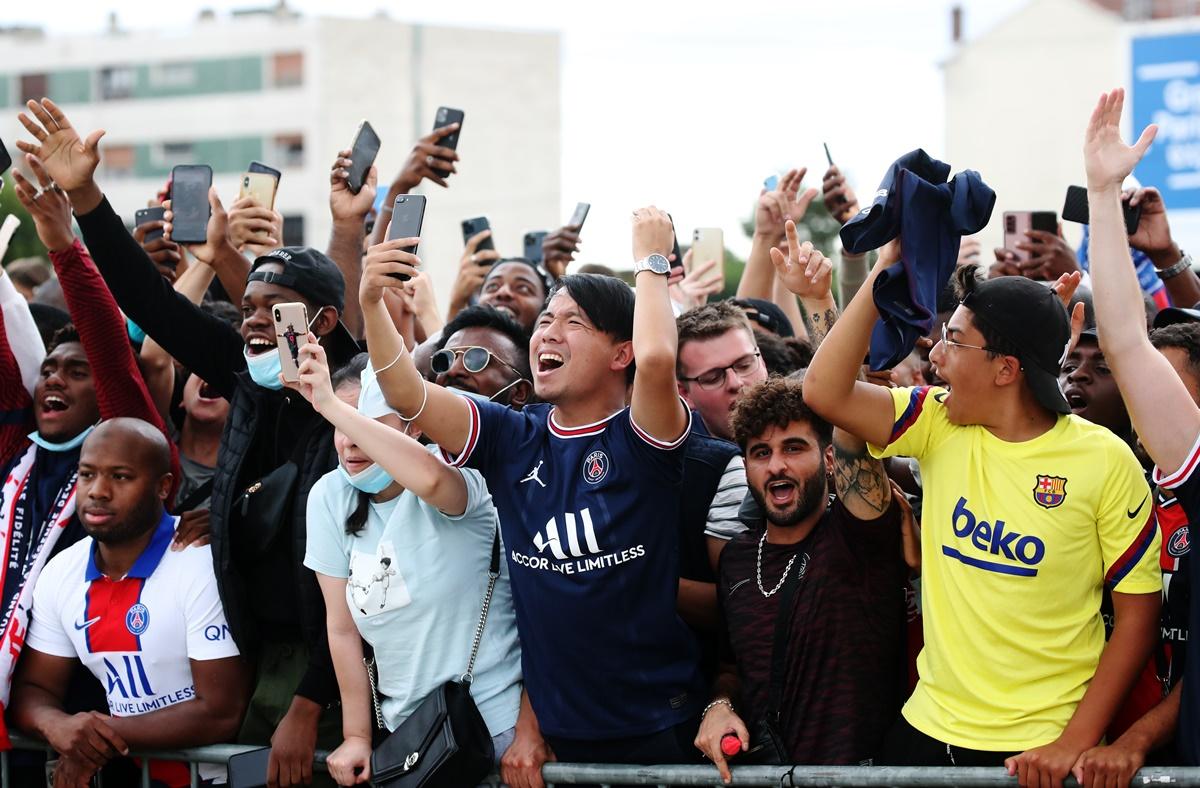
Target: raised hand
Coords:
[[559, 248], [216, 231], [785, 202], [69, 160], [803, 270], [1106, 157], [1153, 234], [653, 233], [166, 255], [49, 207], [254, 227], [839, 198], [344, 204], [426, 157], [382, 261], [701, 280], [312, 380]]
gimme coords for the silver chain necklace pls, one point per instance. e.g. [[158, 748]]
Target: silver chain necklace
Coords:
[[758, 568]]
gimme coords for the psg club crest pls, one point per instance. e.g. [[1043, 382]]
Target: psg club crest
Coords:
[[1050, 491], [1179, 543], [595, 467], [137, 620]]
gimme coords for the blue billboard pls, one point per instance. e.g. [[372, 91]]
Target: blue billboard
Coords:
[[1165, 84]]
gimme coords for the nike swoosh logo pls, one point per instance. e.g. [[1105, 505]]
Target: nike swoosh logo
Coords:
[[1134, 513], [86, 624]]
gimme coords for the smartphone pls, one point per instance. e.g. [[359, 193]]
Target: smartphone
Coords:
[[580, 215], [828, 158], [676, 271], [258, 166], [1075, 209], [147, 215], [189, 203], [5, 158], [708, 243], [249, 769], [1016, 223], [362, 156], [533, 245], [408, 213], [473, 227], [291, 331], [260, 186], [446, 116], [771, 182]]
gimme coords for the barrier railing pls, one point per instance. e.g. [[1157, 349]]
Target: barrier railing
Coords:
[[606, 775]]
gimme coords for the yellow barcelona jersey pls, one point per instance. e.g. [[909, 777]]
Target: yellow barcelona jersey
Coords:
[[1017, 542]]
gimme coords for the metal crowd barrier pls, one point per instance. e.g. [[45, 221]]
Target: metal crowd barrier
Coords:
[[557, 774]]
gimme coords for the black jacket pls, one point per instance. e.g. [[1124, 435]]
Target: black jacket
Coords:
[[266, 591]]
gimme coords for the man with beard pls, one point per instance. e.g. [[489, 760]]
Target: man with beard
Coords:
[[842, 665], [146, 621]]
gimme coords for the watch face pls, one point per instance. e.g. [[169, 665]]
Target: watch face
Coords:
[[658, 264]]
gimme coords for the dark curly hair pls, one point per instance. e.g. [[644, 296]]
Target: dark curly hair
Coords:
[[776, 402], [1185, 337]]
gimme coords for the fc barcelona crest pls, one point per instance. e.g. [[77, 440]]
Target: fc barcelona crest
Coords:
[[1050, 491]]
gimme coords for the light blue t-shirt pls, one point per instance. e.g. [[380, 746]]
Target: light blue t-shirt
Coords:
[[415, 583]]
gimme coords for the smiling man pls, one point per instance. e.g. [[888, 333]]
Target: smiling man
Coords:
[[1028, 513], [273, 450], [517, 287], [484, 351]]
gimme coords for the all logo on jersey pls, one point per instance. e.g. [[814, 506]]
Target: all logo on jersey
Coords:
[[1050, 491], [1179, 543], [137, 620], [573, 548], [595, 467]]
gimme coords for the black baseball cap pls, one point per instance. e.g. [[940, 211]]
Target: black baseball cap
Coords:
[[313, 275], [1177, 314], [767, 314], [1032, 319]]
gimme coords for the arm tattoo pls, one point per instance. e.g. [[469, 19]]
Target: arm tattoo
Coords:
[[856, 473], [819, 324]]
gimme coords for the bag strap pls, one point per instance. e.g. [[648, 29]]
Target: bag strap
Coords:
[[783, 627], [372, 680], [195, 496], [493, 575]]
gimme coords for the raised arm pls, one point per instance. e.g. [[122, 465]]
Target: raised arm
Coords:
[[832, 386], [403, 458], [426, 156], [444, 416], [349, 212], [655, 406], [158, 368], [16, 401], [1164, 416], [217, 251], [24, 338]]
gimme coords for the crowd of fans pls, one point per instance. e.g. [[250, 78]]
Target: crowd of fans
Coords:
[[707, 530]]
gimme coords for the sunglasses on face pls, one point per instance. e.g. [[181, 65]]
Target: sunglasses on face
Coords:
[[475, 359]]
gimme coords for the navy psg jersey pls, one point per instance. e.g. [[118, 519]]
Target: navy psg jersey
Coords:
[[589, 516]]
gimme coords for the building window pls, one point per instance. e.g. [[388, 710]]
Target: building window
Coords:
[[119, 160], [117, 82], [172, 75], [293, 230], [34, 87], [288, 150], [169, 154], [287, 69]]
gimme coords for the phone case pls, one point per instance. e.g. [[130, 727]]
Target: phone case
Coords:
[[5, 158], [708, 243], [147, 215], [472, 227], [445, 116], [362, 156], [1075, 209], [291, 330], [189, 203], [408, 214], [258, 166], [260, 186], [1015, 225]]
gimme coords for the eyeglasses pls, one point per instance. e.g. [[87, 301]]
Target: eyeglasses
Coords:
[[948, 342], [714, 378], [475, 359]]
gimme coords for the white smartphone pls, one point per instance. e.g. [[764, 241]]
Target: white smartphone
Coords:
[[291, 331]]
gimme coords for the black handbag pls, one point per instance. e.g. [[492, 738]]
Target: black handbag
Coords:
[[445, 742], [266, 509]]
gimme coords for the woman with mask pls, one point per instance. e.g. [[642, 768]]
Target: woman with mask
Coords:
[[401, 544]]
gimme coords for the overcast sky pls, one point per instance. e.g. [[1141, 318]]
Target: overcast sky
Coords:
[[712, 97]]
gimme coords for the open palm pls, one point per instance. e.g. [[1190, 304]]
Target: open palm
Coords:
[[69, 160], [1106, 157]]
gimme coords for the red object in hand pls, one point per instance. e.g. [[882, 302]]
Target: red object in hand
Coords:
[[731, 745]]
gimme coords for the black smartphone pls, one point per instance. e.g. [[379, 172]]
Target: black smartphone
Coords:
[[189, 203], [676, 264], [258, 166], [249, 769], [147, 215], [828, 158], [362, 156], [533, 245], [5, 158], [473, 227], [445, 116], [1075, 209], [408, 213], [580, 215]]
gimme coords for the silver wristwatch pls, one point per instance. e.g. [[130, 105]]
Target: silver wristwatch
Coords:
[[655, 262], [1184, 264]]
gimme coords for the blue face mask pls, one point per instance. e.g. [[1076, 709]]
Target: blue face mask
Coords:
[[74, 443], [265, 369], [136, 335], [372, 481]]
